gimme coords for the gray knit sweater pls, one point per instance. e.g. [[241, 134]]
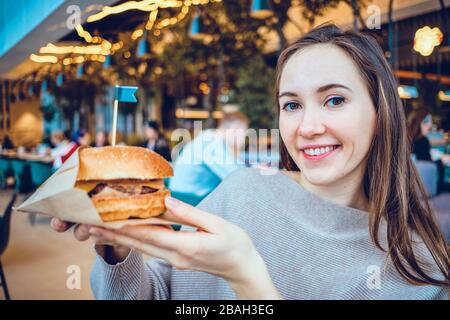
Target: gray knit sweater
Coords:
[[313, 248]]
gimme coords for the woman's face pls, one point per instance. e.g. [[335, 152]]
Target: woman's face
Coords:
[[327, 119], [85, 140], [100, 138]]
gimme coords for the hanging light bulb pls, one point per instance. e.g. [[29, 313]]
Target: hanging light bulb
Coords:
[[142, 47], [31, 89], [22, 95], [107, 62], [426, 39], [59, 79], [44, 86], [80, 70], [196, 31], [12, 96], [261, 9]]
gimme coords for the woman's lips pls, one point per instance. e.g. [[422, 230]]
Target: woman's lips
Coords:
[[321, 156]]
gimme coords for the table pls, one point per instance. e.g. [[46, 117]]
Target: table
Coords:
[[26, 168]]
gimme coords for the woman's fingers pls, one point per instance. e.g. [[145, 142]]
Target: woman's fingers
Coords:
[[60, 225], [100, 240], [81, 232], [107, 236], [187, 214], [161, 237]]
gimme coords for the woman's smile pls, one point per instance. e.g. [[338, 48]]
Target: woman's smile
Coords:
[[319, 152]]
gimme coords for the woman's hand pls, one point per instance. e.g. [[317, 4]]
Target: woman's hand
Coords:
[[112, 253], [217, 247]]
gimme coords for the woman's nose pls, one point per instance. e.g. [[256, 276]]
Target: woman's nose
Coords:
[[311, 124]]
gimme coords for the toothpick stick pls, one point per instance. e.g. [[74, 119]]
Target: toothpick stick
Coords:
[[114, 125]]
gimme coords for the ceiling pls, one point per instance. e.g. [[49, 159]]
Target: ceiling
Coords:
[[16, 63]]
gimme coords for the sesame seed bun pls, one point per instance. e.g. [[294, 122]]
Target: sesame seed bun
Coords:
[[122, 162], [124, 182]]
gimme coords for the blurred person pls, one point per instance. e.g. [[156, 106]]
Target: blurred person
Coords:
[[421, 147], [7, 143], [44, 148], [101, 139], [155, 141], [61, 146], [79, 138], [210, 157], [420, 127]]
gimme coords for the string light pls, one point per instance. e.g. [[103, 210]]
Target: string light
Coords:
[[137, 34], [192, 114], [197, 114], [129, 5], [151, 19], [102, 46], [90, 49], [83, 34], [81, 59], [158, 70], [43, 59], [145, 5]]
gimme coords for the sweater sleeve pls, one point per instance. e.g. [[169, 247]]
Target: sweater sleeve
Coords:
[[135, 278], [131, 279]]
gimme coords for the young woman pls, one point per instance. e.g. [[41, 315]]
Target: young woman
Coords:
[[346, 221]]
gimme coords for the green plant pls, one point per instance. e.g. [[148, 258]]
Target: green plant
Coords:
[[255, 87]]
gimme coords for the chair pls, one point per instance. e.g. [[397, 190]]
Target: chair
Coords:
[[4, 238], [5, 169], [441, 208], [428, 171]]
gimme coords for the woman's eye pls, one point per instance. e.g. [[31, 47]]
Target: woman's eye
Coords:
[[334, 102], [291, 106]]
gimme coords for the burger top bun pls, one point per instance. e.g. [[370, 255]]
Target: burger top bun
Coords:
[[122, 162]]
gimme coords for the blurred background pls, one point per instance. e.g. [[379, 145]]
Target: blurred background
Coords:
[[207, 62]]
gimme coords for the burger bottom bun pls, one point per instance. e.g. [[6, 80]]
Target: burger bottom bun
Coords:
[[133, 206]]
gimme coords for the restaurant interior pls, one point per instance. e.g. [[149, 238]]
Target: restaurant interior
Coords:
[[192, 60]]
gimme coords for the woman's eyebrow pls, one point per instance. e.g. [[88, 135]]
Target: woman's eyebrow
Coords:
[[287, 94], [331, 86], [320, 89]]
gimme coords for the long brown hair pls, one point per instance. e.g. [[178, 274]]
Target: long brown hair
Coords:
[[391, 182]]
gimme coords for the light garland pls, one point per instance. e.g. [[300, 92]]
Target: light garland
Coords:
[[103, 49], [100, 47], [43, 59], [81, 59]]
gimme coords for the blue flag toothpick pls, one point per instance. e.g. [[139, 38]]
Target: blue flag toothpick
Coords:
[[122, 94], [125, 94]]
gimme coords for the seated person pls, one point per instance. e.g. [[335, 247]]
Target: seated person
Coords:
[[155, 141], [210, 157]]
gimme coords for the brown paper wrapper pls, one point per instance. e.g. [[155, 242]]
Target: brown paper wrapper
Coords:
[[57, 197]]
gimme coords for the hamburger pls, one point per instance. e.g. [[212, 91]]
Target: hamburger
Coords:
[[124, 182]]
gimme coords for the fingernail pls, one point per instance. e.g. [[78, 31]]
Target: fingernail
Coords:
[[94, 232], [96, 238], [171, 202], [58, 224]]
